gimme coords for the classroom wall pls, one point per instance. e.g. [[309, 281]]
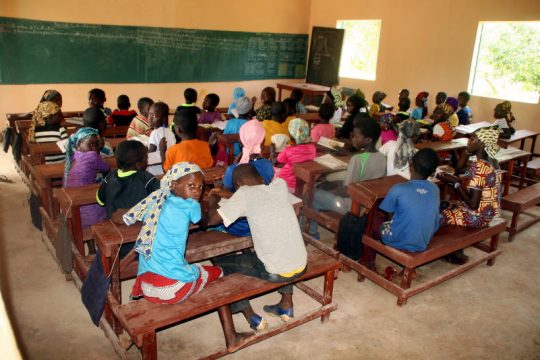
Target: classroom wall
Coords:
[[428, 45], [234, 15]]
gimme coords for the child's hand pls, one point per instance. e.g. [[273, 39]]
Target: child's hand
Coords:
[[163, 145], [253, 101], [447, 178], [117, 216], [220, 192]]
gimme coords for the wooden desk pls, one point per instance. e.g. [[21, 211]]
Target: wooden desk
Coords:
[[520, 135], [467, 130], [511, 155], [13, 118], [441, 146], [38, 151], [310, 89], [116, 131]]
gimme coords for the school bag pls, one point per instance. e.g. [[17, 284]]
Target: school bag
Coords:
[[63, 245], [8, 138], [16, 147], [349, 235], [34, 205], [94, 289]]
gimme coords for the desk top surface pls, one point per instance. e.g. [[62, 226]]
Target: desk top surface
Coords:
[[438, 146], [304, 86], [519, 135]]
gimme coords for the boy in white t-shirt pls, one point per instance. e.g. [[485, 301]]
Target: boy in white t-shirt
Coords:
[[280, 254], [160, 139]]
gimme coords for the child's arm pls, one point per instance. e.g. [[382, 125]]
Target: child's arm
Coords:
[[118, 216]]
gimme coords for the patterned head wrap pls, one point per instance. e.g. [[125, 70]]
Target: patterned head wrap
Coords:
[[251, 135], [243, 105], [489, 137], [505, 108], [388, 121], [335, 94], [405, 148], [453, 102], [238, 93], [42, 112], [149, 208], [299, 130], [378, 96], [446, 109], [73, 141], [423, 97]]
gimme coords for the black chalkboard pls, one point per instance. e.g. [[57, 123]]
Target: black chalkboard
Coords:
[[33, 52], [324, 56]]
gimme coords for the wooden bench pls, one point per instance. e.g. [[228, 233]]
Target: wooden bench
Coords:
[[13, 118], [446, 241], [141, 319], [228, 141], [517, 203], [533, 167]]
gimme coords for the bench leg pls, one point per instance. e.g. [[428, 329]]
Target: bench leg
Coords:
[[328, 291], [368, 260], [513, 226], [407, 278], [149, 346], [492, 247]]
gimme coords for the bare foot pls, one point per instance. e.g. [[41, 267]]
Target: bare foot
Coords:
[[240, 339]]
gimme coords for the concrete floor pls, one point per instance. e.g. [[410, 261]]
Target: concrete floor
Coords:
[[489, 312]]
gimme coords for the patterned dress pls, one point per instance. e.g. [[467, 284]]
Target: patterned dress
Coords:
[[484, 177]]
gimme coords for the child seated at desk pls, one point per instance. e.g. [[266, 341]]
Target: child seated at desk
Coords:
[[268, 97], [403, 105], [209, 114], [96, 98], [121, 116], [333, 96], [242, 109], [413, 206], [421, 102], [190, 97], [140, 126], [290, 111], [355, 104], [46, 127], [189, 149], [300, 150], [442, 129], [164, 276], [378, 109], [453, 118], [464, 113], [52, 95], [399, 152], [280, 254], [388, 123], [296, 96], [324, 128], [82, 164], [275, 126], [94, 118], [504, 119], [161, 138], [238, 93]]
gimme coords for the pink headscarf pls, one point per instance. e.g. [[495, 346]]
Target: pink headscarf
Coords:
[[251, 135]]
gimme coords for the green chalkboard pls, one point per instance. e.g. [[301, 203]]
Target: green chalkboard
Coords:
[[34, 52]]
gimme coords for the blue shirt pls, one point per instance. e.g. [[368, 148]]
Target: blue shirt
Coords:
[[169, 244], [417, 113], [415, 205], [233, 127], [464, 115]]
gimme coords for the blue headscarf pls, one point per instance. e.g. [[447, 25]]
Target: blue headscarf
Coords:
[[238, 93], [74, 139]]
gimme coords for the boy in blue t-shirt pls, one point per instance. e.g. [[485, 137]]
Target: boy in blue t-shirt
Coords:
[[414, 206]]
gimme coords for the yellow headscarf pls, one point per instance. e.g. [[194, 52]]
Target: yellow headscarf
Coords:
[[42, 112], [489, 137]]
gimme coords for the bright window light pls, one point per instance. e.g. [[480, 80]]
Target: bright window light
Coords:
[[506, 61], [360, 48]]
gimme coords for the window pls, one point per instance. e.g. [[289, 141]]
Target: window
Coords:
[[360, 48], [506, 61]]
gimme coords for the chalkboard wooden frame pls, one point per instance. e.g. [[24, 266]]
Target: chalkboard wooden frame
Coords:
[[324, 56]]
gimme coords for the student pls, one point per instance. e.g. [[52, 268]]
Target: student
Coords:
[[82, 165], [94, 118], [280, 254], [442, 129], [403, 105], [504, 119], [399, 153], [388, 123], [413, 206], [421, 109], [378, 108], [480, 195], [243, 108], [96, 98], [189, 149], [297, 96], [161, 138], [323, 128], [140, 126], [464, 113], [46, 127], [404, 93], [453, 118], [210, 114], [190, 97], [354, 105], [440, 98], [333, 96], [121, 116], [52, 95], [164, 276], [275, 124], [268, 97], [238, 93], [300, 150], [290, 110]]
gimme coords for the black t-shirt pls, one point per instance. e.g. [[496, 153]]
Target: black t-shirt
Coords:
[[119, 190]]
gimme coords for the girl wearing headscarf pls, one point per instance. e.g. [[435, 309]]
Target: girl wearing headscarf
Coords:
[[442, 129], [378, 108], [355, 104], [164, 275], [504, 118], [46, 127], [388, 124], [333, 96], [238, 93], [83, 162], [300, 150], [52, 95], [399, 152], [243, 108], [453, 119], [421, 109], [480, 194]]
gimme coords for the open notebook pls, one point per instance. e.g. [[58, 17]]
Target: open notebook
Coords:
[[331, 162]]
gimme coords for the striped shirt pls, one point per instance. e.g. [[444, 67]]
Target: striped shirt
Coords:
[[138, 126], [51, 134]]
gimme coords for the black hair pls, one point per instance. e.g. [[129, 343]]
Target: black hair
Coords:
[[367, 126], [326, 111], [270, 93], [358, 102], [190, 95], [297, 95], [144, 101], [404, 103], [94, 118], [129, 153], [51, 95], [98, 93], [186, 121], [244, 171], [465, 95], [279, 110], [123, 102], [162, 109], [425, 162], [406, 91], [290, 105], [214, 100], [442, 93]]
